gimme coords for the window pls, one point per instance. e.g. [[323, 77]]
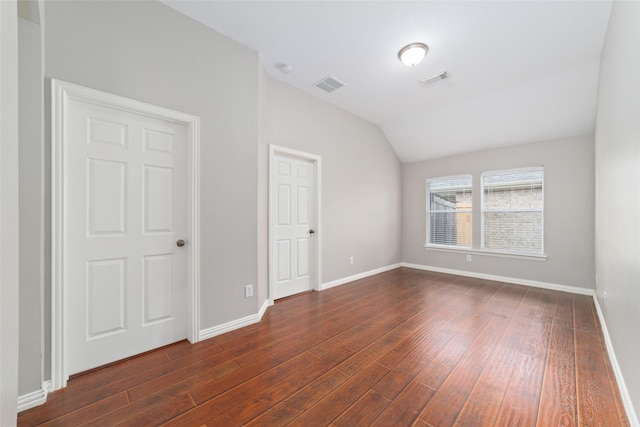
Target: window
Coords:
[[512, 210], [449, 211]]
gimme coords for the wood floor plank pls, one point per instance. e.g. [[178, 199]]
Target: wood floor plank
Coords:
[[159, 414], [422, 348], [364, 411], [90, 412], [341, 398], [405, 408], [245, 411], [563, 314], [521, 401], [495, 304], [484, 401], [393, 383], [189, 376], [596, 399], [354, 315], [363, 334], [218, 400], [160, 396], [444, 407], [520, 405], [409, 354], [282, 349], [265, 372], [437, 370], [622, 416], [383, 345], [304, 399], [558, 397]]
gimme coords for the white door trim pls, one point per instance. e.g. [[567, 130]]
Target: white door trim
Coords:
[[61, 94], [316, 261]]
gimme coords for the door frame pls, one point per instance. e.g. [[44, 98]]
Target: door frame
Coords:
[[316, 258], [61, 94]]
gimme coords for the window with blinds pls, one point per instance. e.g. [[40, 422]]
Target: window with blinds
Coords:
[[513, 210], [449, 211]]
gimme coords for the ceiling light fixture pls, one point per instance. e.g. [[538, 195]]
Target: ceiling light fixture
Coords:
[[413, 54]]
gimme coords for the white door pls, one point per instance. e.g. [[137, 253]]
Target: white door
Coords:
[[294, 234], [127, 204]]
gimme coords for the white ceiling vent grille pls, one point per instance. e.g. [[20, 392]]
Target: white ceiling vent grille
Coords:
[[329, 84], [435, 78]]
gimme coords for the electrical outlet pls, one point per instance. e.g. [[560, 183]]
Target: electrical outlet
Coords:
[[351, 260], [248, 291], [469, 258]]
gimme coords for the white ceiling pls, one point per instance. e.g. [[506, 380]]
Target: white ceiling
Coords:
[[521, 71]]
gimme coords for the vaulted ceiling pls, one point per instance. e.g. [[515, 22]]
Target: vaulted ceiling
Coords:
[[520, 71]]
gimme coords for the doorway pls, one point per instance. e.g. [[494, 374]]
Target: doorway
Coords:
[[125, 228], [295, 232]]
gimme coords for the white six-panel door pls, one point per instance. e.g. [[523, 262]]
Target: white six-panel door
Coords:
[[127, 204], [294, 225]]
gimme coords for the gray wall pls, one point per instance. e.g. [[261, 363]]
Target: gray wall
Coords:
[[568, 220], [30, 205], [361, 179], [263, 195], [9, 222], [151, 53], [618, 189]]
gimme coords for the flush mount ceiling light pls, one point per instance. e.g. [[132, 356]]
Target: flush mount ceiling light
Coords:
[[413, 54]]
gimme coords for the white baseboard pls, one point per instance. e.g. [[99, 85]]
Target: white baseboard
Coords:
[[39, 397], [234, 324], [514, 280], [255, 318], [266, 304], [344, 280], [35, 398], [624, 392]]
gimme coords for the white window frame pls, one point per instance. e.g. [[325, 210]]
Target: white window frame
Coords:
[[428, 212], [482, 212]]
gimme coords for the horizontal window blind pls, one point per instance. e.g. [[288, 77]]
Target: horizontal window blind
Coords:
[[513, 210], [449, 210]]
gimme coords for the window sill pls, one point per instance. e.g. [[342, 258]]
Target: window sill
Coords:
[[470, 251]]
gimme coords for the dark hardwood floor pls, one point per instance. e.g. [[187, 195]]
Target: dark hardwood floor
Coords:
[[406, 347]]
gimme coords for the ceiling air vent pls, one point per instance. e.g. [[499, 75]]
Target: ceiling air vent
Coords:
[[329, 84], [435, 78]]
